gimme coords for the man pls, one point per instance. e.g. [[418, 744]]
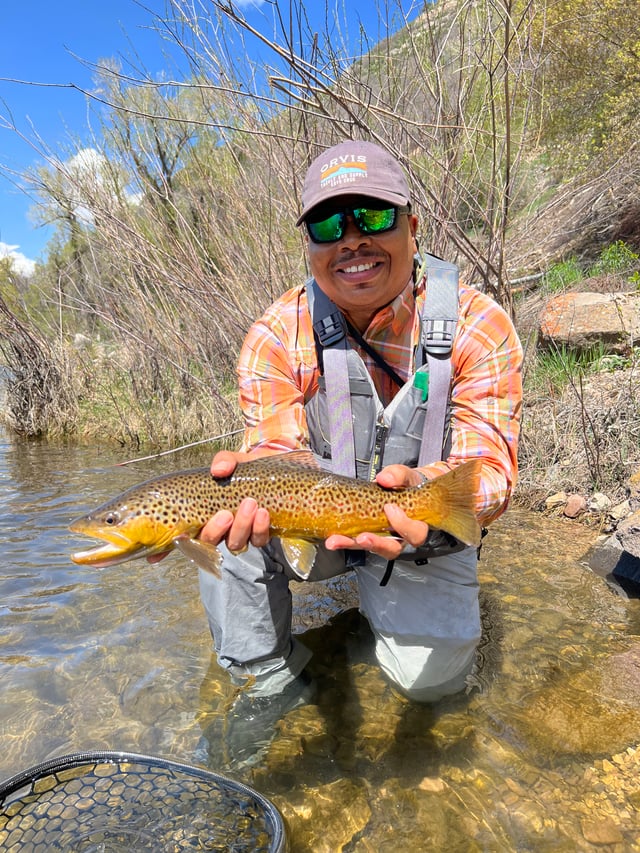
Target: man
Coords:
[[418, 589]]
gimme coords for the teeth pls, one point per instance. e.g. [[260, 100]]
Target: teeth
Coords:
[[359, 268]]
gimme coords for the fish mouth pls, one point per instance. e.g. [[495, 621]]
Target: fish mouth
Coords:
[[103, 556], [118, 548]]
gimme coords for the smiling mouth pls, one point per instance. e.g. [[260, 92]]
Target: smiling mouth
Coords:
[[362, 267]]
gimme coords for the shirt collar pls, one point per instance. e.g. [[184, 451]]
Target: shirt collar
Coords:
[[400, 312]]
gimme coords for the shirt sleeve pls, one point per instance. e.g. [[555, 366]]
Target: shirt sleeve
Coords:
[[486, 400], [276, 373]]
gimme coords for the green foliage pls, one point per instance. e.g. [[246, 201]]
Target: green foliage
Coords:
[[592, 88], [615, 258], [561, 275], [552, 370]]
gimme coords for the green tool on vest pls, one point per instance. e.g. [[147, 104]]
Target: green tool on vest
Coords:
[[421, 381]]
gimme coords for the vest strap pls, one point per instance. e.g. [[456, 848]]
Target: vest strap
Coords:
[[438, 331], [330, 328], [336, 377]]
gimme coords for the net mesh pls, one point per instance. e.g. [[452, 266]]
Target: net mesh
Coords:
[[112, 802]]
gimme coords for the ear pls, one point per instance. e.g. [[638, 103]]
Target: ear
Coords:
[[413, 230]]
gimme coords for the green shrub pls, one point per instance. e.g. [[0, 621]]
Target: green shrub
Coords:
[[562, 274], [615, 258]]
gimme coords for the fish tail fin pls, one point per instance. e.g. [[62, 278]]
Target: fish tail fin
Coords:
[[459, 489]]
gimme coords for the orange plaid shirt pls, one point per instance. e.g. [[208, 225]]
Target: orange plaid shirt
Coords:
[[278, 374]]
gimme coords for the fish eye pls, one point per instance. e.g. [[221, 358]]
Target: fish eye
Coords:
[[112, 518]]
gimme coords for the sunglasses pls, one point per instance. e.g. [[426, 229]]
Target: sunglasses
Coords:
[[370, 220]]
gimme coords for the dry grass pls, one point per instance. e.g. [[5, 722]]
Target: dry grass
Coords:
[[38, 399], [583, 438]]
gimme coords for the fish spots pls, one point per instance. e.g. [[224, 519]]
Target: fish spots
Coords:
[[302, 501]]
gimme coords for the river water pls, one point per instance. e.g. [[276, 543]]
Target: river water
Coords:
[[540, 754]]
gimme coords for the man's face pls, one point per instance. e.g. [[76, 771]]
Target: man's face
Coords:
[[363, 272]]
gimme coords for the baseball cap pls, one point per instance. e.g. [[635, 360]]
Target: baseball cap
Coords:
[[354, 168]]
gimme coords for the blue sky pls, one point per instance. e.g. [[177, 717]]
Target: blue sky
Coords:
[[54, 45]]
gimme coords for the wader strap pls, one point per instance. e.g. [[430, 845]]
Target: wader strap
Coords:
[[386, 577], [440, 318], [330, 329]]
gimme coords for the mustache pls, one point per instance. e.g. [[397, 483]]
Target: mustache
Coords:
[[356, 257]]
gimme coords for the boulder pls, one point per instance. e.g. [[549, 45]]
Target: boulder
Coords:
[[628, 534], [575, 506], [620, 569], [580, 320]]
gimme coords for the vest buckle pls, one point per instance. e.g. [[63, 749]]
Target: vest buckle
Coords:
[[438, 336], [330, 329]]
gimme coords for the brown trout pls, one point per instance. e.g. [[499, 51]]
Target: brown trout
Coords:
[[305, 504]]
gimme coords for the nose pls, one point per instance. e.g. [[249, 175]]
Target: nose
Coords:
[[352, 234]]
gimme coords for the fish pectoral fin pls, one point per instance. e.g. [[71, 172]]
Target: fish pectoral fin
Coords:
[[300, 554], [205, 556]]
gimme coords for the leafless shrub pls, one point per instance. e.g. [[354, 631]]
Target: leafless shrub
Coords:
[[580, 435], [35, 380], [178, 221]]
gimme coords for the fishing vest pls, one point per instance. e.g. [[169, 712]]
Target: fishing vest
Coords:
[[348, 423]]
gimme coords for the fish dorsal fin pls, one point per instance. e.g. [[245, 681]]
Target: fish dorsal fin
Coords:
[[297, 458]]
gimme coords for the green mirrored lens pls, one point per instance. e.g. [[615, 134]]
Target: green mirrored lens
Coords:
[[327, 230], [374, 221], [369, 220]]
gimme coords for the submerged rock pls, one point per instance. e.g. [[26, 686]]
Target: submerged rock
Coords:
[[327, 818], [594, 712]]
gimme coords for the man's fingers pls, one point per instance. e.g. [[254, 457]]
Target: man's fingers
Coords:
[[242, 527], [224, 463], [261, 524], [405, 531], [399, 477], [216, 528], [413, 532]]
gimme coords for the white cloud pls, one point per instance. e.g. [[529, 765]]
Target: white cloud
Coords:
[[21, 263], [84, 176], [84, 171], [87, 158]]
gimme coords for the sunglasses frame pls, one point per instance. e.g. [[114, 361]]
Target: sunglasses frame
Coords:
[[355, 213]]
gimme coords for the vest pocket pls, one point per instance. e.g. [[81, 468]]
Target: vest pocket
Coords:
[[363, 411]]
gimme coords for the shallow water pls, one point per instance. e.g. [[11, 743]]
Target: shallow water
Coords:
[[539, 755]]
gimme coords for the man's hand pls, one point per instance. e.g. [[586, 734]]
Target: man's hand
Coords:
[[409, 532], [250, 523]]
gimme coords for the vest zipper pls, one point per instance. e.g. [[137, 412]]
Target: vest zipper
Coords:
[[378, 450]]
